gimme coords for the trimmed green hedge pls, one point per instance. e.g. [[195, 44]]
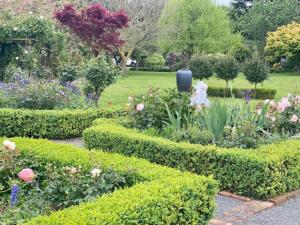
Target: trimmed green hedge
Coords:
[[162, 196], [52, 124], [262, 173], [259, 93]]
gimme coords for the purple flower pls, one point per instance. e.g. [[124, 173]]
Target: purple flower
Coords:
[[14, 195], [247, 95]]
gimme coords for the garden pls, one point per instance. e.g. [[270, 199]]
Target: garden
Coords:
[[174, 100]]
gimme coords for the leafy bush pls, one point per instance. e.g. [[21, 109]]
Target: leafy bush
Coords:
[[176, 192], [52, 124], [241, 53], [67, 73], [256, 71], [155, 61], [226, 68], [201, 67], [31, 94], [99, 75], [262, 173], [149, 110]]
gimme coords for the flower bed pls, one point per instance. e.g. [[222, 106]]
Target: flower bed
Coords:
[[158, 195], [261, 173], [52, 124]]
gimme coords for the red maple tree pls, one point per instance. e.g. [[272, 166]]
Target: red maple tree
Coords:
[[94, 25]]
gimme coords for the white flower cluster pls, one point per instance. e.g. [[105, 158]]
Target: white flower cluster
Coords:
[[199, 98]]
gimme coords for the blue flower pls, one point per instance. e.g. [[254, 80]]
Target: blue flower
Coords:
[[14, 194]]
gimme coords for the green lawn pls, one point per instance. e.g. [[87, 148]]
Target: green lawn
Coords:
[[138, 82]]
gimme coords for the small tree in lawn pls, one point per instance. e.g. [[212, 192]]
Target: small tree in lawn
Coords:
[[227, 68], [256, 71], [99, 74], [94, 25], [202, 67]]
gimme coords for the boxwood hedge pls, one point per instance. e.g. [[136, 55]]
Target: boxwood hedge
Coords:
[[52, 124], [161, 195], [261, 173]]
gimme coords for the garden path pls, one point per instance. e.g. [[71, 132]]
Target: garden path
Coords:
[[232, 211]]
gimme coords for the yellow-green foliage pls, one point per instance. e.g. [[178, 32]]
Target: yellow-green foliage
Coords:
[[261, 173], [285, 41], [52, 124], [162, 196]]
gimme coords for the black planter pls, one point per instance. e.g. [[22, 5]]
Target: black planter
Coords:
[[184, 80]]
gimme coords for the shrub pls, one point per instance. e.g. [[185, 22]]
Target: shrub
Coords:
[[256, 71], [227, 68], [241, 53], [99, 75], [262, 173], [177, 193], [52, 124], [149, 110], [155, 61], [67, 73], [201, 67]]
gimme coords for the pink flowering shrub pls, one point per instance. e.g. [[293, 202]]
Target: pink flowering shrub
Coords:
[[26, 175]]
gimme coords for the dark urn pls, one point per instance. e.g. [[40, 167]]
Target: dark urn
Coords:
[[184, 80]]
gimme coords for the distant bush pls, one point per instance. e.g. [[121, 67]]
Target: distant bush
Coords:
[[202, 67], [256, 71], [226, 68], [155, 61], [67, 73]]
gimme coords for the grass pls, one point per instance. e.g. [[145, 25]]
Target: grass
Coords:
[[138, 82]]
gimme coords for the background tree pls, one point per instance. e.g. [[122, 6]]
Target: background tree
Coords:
[[265, 16], [238, 8], [191, 26], [94, 25], [142, 29], [283, 43], [256, 71], [227, 68]]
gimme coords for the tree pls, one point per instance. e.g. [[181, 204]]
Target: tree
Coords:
[[155, 61], [284, 42], [238, 8], [256, 71], [142, 29], [227, 68], [94, 25], [191, 26], [201, 67], [265, 16], [99, 75]]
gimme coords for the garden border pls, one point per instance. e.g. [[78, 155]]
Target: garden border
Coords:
[[51, 124], [262, 173], [164, 195]]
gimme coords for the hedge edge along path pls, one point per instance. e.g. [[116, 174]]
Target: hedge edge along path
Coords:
[[161, 196], [51, 124], [262, 173]]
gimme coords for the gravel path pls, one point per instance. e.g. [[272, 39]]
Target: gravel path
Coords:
[[286, 214], [225, 204]]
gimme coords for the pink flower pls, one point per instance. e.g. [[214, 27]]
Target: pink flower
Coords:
[[140, 107], [294, 119], [297, 98], [285, 102], [281, 107], [26, 175], [9, 145]]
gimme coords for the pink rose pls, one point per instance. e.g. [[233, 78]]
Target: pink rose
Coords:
[[26, 175], [9, 145], [285, 102], [140, 107], [294, 119], [281, 107]]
